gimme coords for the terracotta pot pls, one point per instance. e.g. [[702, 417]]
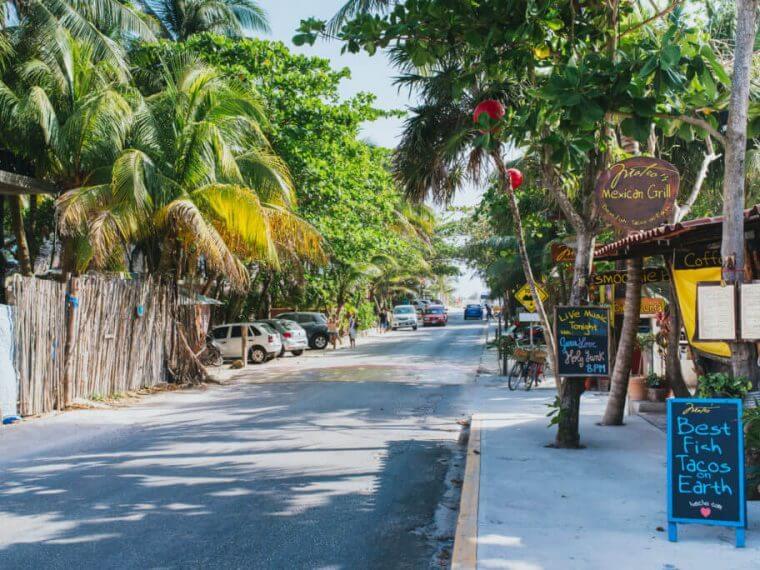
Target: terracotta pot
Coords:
[[637, 388], [657, 394]]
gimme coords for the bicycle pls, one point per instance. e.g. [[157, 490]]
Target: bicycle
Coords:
[[528, 369]]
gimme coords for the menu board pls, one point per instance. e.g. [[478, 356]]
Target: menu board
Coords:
[[716, 312], [749, 310], [583, 341], [706, 462]]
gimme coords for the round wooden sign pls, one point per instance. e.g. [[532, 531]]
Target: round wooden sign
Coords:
[[638, 193]]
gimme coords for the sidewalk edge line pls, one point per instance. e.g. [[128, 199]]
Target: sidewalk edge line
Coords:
[[465, 555]]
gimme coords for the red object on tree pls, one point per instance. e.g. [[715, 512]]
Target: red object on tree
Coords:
[[491, 107], [515, 178]]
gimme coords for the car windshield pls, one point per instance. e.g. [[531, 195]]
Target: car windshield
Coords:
[[435, 311], [403, 310], [266, 327], [289, 325], [473, 306]]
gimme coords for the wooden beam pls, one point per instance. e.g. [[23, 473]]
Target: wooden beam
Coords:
[[15, 185]]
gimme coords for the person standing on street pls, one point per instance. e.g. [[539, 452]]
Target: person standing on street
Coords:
[[332, 330], [383, 320], [352, 326], [489, 312]]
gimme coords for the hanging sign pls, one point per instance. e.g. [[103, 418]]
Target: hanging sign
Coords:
[[638, 193], [525, 297], [583, 341], [649, 306], [648, 275], [562, 253], [706, 464]]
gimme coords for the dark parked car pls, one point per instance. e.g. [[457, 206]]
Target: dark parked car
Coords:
[[473, 312], [315, 325]]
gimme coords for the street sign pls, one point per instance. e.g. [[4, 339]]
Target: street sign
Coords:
[[525, 297], [706, 464], [528, 318]]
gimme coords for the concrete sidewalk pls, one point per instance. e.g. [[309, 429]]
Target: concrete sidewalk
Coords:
[[600, 507]]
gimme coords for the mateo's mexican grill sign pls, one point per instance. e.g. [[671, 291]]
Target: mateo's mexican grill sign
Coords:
[[638, 193]]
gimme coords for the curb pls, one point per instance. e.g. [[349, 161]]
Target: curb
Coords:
[[465, 555]]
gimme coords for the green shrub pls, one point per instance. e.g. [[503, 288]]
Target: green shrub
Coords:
[[722, 385], [655, 380]]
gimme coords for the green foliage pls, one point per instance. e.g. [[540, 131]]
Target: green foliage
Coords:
[[751, 418], [555, 412], [344, 186], [655, 381], [722, 385], [365, 315]]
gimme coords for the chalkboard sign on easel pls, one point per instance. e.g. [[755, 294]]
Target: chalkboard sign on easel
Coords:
[[583, 341], [706, 464]]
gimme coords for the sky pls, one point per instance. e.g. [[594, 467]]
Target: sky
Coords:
[[369, 74]]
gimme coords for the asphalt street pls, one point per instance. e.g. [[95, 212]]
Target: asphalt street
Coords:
[[345, 459]]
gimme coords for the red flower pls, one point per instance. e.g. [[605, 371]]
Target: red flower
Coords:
[[491, 107], [515, 178]]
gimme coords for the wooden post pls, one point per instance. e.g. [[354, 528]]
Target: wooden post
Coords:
[[72, 303], [244, 345]]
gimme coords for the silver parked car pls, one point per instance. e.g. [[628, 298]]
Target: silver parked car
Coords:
[[263, 341], [293, 335], [404, 316]]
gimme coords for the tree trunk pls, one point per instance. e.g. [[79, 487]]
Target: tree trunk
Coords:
[[524, 259], [568, 434], [613, 414], [732, 247], [22, 246], [672, 359]]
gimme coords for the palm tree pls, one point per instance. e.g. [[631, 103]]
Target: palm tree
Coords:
[[105, 26], [180, 19], [199, 185]]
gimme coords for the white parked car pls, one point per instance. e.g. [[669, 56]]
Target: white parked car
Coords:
[[264, 342], [404, 316]]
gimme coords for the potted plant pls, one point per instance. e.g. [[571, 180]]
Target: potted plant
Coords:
[[657, 389], [722, 385], [637, 388]]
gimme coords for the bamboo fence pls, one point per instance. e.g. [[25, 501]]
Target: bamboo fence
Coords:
[[127, 334]]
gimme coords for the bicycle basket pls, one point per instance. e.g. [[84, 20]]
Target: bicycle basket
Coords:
[[521, 355], [539, 356]]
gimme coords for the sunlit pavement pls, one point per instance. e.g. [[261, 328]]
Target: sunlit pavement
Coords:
[[338, 460]]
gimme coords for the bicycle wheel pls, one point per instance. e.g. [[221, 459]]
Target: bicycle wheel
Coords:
[[531, 375], [515, 375]]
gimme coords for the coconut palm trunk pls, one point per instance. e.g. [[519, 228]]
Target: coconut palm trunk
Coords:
[[673, 373], [22, 245], [613, 414]]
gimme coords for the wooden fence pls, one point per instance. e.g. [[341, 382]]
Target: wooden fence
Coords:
[[125, 335]]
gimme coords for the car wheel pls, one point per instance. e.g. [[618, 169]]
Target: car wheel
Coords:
[[414, 328], [319, 342], [257, 355], [297, 352]]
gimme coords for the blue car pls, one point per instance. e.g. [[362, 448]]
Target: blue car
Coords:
[[473, 312]]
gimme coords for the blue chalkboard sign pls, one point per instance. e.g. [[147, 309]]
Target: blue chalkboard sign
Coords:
[[706, 464], [583, 341]]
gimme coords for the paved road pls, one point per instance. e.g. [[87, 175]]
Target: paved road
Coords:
[[339, 460]]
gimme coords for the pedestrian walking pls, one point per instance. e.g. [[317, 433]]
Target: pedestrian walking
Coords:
[[489, 312], [352, 329], [383, 320]]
